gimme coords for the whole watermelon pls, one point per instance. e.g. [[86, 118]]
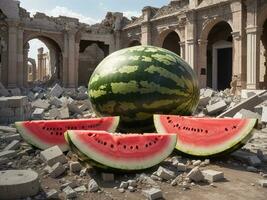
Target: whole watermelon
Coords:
[[137, 82]]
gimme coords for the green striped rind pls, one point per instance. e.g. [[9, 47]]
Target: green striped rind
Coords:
[[143, 79], [130, 164], [227, 147]]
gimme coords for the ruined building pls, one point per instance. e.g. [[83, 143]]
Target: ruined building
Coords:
[[221, 39]]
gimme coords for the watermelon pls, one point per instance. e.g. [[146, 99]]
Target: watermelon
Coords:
[[47, 133], [134, 83], [206, 136], [123, 151]]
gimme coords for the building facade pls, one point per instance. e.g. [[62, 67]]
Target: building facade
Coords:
[[223, 40]]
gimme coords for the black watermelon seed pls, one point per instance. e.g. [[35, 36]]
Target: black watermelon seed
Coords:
[[226, 129]]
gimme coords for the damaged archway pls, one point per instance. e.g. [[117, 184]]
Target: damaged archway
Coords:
[[134, 43], [172, 42], [49, 65]]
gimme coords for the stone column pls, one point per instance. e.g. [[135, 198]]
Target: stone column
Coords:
[[65, 61], [25, 64], [71, 59], [12, 54], [253, 41], [182, 49], [20, 65], [146, 26], [191, 39], [202, 62], [40, 63]]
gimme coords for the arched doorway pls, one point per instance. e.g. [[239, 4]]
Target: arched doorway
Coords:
[[47, 55], [31, 71], [263, 57], [219, 56], [134, 43], [172, 42]]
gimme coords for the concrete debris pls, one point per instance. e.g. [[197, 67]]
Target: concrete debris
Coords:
[[263, 183], [39, 103], [53, 155], [247, 157], [261, 156], [124, 185], [196, 163], [83, 172], [75, 167], [216, 107], [8, 129], [71, 184], [69, 193], [93, 186], [212, 175], [131, 188], [243, 113], [56, 91], [165, 173], [80, 189], [251, 169], [14, 145], [9, 138], [38, 113], [8, 154], [132, 183], [195, 175], [56, 170], [52, 194], [181, 167], [264, 114], [18, 184], [153, 193], [107, 177]]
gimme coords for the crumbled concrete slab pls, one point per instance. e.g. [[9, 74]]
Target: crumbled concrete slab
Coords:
[[8, 129], [56, 91], [53, 155], [165, 173], [248, 104], [56, 170], [212, 175], [64, 113], [75, 167], [264, 114], [39, 103], [204, 101], [208, 92], [17, 184], [244, 114], [52, 194], [71, 184], [132, 183], [10, 138], [247, 157], [216, 107], [54, 113], [69, 193], [8, 154], [263, 183], [107, 177], [74, 108], [181, 167], [80, 189], [38, 113], [153, 194], [55, 101], [195, 175], [14, 145], [197, 162], [93, 186]]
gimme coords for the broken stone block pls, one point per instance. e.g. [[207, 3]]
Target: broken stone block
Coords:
[[55, 101], [217, 107], [204, 101], [263, 183], [70, 184], [195, 175], [107, 177], [83, 107], [75, 167], [165, 173], [39, 103], [38, 113], [74, 108], [124, 185], [80, 189], [153, 193], [197, 162], [212, 175], [8, 154], [18, 184], [56, 170], [261, 156], [208, 93], [247, 157], [56, 91], [51, 194], [15, 92], [9, 138], [53, 113], [64, 113], [82, 89], [93, 186], [264, 114], [132, 183], [181, 167], [53, 155], [69, 193], [243, 113], [83, 172], [14, 145], [8, 129]]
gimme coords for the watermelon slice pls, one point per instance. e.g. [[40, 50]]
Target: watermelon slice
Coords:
[[206, 136], [123, 151], [47, 133]]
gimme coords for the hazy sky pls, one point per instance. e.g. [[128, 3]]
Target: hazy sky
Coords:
[[88, 11]]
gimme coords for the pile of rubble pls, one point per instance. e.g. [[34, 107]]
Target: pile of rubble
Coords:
[[40, 103]]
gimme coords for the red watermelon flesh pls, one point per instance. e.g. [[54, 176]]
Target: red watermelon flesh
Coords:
[[205, 136], [123, 151], [47, 133]]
